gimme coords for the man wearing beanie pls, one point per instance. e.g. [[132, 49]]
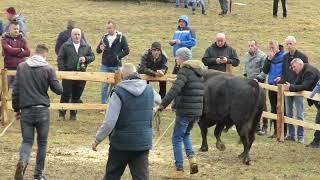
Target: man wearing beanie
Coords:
[[12, 15], [154, 63], [183, 37], [188, 91]]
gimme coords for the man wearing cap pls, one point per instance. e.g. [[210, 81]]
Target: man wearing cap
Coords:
[[219, 54], [154, 63], [188, 91], [14, 48], [12, 15], [183, 37]]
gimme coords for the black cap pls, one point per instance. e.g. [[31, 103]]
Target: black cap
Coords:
[[156, 45]]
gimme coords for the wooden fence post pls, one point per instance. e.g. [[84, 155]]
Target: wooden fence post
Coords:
[[229, 69], [4, 97], [280, 113], [117, 77]]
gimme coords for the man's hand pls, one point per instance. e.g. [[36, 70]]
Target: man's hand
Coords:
[[102, 47], [224, 60], [17, 115], [159, 73], [178, 41], [82, 59], [94, 146], [172, 42], [277, 79], [271, 55], [286, 86]]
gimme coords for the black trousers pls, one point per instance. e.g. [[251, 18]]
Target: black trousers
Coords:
[[72, 91], [275, 7], [117, 161], [273, 103], [162, 88]]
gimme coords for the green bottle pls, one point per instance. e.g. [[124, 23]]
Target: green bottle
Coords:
[[78, 66]]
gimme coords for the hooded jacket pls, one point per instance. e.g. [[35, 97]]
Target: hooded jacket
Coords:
[[128, 118], [111, 56], [68, 58], [14, 50], [185, 35], [31, 84], [213, 52], [274, 67], [22, 24], [187, 90]]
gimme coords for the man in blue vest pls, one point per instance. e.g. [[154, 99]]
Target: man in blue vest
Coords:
[[128, 124]]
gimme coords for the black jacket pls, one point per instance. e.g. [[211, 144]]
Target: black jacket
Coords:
[[31, 85], [68, 58], [306, 80], [213, 52], [111, 56], [64, 37], [149, 66], [287, 74], [187, 90]]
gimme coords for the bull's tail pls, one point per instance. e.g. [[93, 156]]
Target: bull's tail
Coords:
[[260, 98]]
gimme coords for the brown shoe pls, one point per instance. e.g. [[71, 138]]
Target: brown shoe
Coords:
[[177, 174], [21, 168], [193, 165]]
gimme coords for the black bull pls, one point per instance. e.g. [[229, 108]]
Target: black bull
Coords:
[[231, 100]]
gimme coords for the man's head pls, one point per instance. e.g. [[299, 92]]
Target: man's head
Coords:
[[76, 35], [290, 42], [71, 24], [42, 50], [156, 50], [14, 28], [183, 21], [111, 27], [252, 46], [127, 69], [297, 65], [273, 46], [10, 13], [220, 39], [183, 54]]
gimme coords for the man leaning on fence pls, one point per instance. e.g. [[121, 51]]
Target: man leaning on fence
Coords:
[[128, 123], [74, 55], [30, 101], [307, 78], [288, 75], [154, 63]]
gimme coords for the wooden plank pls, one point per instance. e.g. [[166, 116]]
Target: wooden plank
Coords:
[[280, 113], [169, 78], [269, 87], [72, 106], [4, 97], [269, 115], [302, 123], [87, 76]]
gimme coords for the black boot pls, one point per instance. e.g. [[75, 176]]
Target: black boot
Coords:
[[203, 12]]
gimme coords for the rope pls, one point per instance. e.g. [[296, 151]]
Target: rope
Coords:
[[159, 139], [5, 129]]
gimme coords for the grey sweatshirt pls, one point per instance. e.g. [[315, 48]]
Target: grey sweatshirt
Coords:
[[136, 88]]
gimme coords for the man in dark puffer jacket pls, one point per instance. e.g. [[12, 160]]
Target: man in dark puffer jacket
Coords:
[[188, 91]]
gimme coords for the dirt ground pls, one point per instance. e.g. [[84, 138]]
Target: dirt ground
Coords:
[[70, 156]]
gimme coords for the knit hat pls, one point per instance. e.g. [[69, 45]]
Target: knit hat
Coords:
[[156, 45], [184, 53], [11, 10]]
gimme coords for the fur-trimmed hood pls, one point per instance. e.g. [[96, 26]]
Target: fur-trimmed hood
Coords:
[[197, 66]]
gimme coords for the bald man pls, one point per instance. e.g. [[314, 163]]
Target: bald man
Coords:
[[74, 55], [219, 54]]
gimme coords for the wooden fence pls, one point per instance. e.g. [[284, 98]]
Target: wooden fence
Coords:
[[114, 78]]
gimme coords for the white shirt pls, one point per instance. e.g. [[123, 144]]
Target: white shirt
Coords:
[[111, 38], [76, 46]]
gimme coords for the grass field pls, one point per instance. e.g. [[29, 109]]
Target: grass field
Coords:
[[69, 153]]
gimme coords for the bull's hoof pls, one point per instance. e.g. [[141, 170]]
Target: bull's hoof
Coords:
[[246, 161], [240, 156], [220, 146], [203, 149]]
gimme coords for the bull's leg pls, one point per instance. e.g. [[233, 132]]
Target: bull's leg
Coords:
[[244, 136], [204, 133], [217, 133]]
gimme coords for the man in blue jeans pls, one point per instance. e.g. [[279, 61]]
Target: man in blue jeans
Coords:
[[187, 92], [114, 47], [30, 100]]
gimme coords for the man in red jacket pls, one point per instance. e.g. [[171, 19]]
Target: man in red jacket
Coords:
[[14, 48]]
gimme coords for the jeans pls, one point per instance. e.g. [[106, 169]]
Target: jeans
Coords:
[[106, 87], [117, 161], [298, 104], [194, 3], [34, 118], [181, 133], [224, 6], [186, 3], [317, 132]]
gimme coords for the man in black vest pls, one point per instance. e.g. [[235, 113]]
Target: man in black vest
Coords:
[[128, 125]]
